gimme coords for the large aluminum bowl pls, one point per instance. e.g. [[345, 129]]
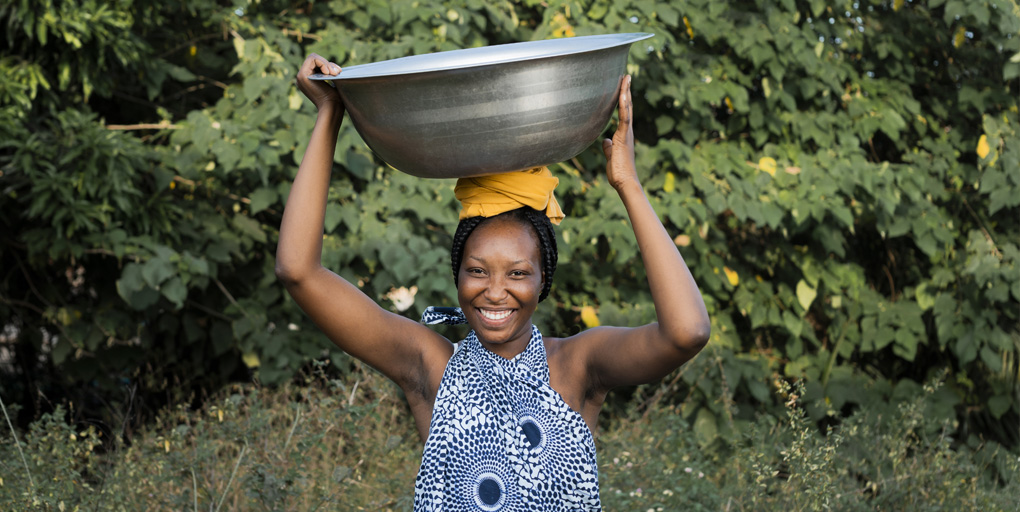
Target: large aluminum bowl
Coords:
[[487, 110]]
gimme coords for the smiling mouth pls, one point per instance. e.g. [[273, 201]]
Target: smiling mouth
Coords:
[[495, 315]]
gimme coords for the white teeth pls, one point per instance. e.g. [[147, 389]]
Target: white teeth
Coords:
[[495, 315]]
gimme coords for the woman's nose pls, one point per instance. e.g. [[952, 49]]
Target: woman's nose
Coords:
[[496, 290]]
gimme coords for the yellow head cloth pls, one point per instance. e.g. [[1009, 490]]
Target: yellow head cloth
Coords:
[[487, 196]]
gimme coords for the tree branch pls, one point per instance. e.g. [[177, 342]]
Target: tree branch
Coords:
[[988, 236], [230, 297], [164, 125]]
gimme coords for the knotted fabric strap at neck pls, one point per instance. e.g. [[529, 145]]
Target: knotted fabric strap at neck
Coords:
[[435, 315]]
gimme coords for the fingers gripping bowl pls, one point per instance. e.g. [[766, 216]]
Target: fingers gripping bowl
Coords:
[[487, 110]]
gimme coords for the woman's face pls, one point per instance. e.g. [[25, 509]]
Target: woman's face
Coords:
[[500, 281]]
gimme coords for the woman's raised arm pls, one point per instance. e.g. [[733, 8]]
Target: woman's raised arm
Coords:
[[628, 356], [300, 250], [405, 351]]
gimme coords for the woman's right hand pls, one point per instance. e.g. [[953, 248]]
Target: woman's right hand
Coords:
[[321, 93]]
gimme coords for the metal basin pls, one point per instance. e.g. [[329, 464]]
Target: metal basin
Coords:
[[487, 110]]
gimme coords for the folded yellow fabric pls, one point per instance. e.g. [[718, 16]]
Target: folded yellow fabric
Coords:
[[487, 196]]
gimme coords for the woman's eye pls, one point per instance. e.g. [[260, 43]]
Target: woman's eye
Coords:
[[518, 273]]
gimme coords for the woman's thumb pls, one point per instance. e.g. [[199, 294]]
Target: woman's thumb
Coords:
[[607, 147]]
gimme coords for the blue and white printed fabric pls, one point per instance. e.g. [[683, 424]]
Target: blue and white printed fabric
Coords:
[[501, 439], [435, 315]]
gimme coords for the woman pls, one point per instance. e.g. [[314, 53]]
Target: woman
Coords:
[[507, 419]]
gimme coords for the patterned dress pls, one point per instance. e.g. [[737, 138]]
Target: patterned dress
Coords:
[[502, 439]]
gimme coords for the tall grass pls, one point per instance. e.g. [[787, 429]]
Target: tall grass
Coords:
[[871, 461], [349, 444]]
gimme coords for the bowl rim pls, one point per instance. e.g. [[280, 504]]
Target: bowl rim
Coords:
[[503, 53]]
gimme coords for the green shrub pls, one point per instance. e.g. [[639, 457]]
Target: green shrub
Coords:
[[349, 444], [328, 443], [836, 172], [896, 457]]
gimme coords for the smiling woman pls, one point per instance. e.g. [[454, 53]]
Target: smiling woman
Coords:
[[499, 284], [507, 415]]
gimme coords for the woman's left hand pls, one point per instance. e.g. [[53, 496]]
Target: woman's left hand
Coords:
[[628, 357], [619, 150]]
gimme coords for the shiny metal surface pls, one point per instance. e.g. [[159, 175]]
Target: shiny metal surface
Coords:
[[487, 110]]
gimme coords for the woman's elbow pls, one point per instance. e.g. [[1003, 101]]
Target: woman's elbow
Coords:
[[704, 333], [692, 338], [287, 274]]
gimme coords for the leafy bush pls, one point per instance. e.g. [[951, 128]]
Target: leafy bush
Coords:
[[896, 458], [313, 447], [349, 443], [837, 174]]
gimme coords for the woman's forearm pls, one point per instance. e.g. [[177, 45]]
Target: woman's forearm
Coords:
[[679, 306], [300, 248]]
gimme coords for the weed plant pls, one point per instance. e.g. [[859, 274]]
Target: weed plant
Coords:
[[890, 458], [349, 444], [327, 444]]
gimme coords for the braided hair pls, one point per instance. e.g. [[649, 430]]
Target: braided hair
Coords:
[[525, 216]]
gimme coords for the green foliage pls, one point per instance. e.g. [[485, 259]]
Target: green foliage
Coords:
[[895, 458], [349, 443], [840, 176], [329, 443], [57, 450]]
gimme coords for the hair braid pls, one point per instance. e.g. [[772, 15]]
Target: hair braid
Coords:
[[546, 246], [464, 229], [527, 216]]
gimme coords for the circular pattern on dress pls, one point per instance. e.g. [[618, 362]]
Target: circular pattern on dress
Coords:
[[533, 433], [490, 492], [502, 439]]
